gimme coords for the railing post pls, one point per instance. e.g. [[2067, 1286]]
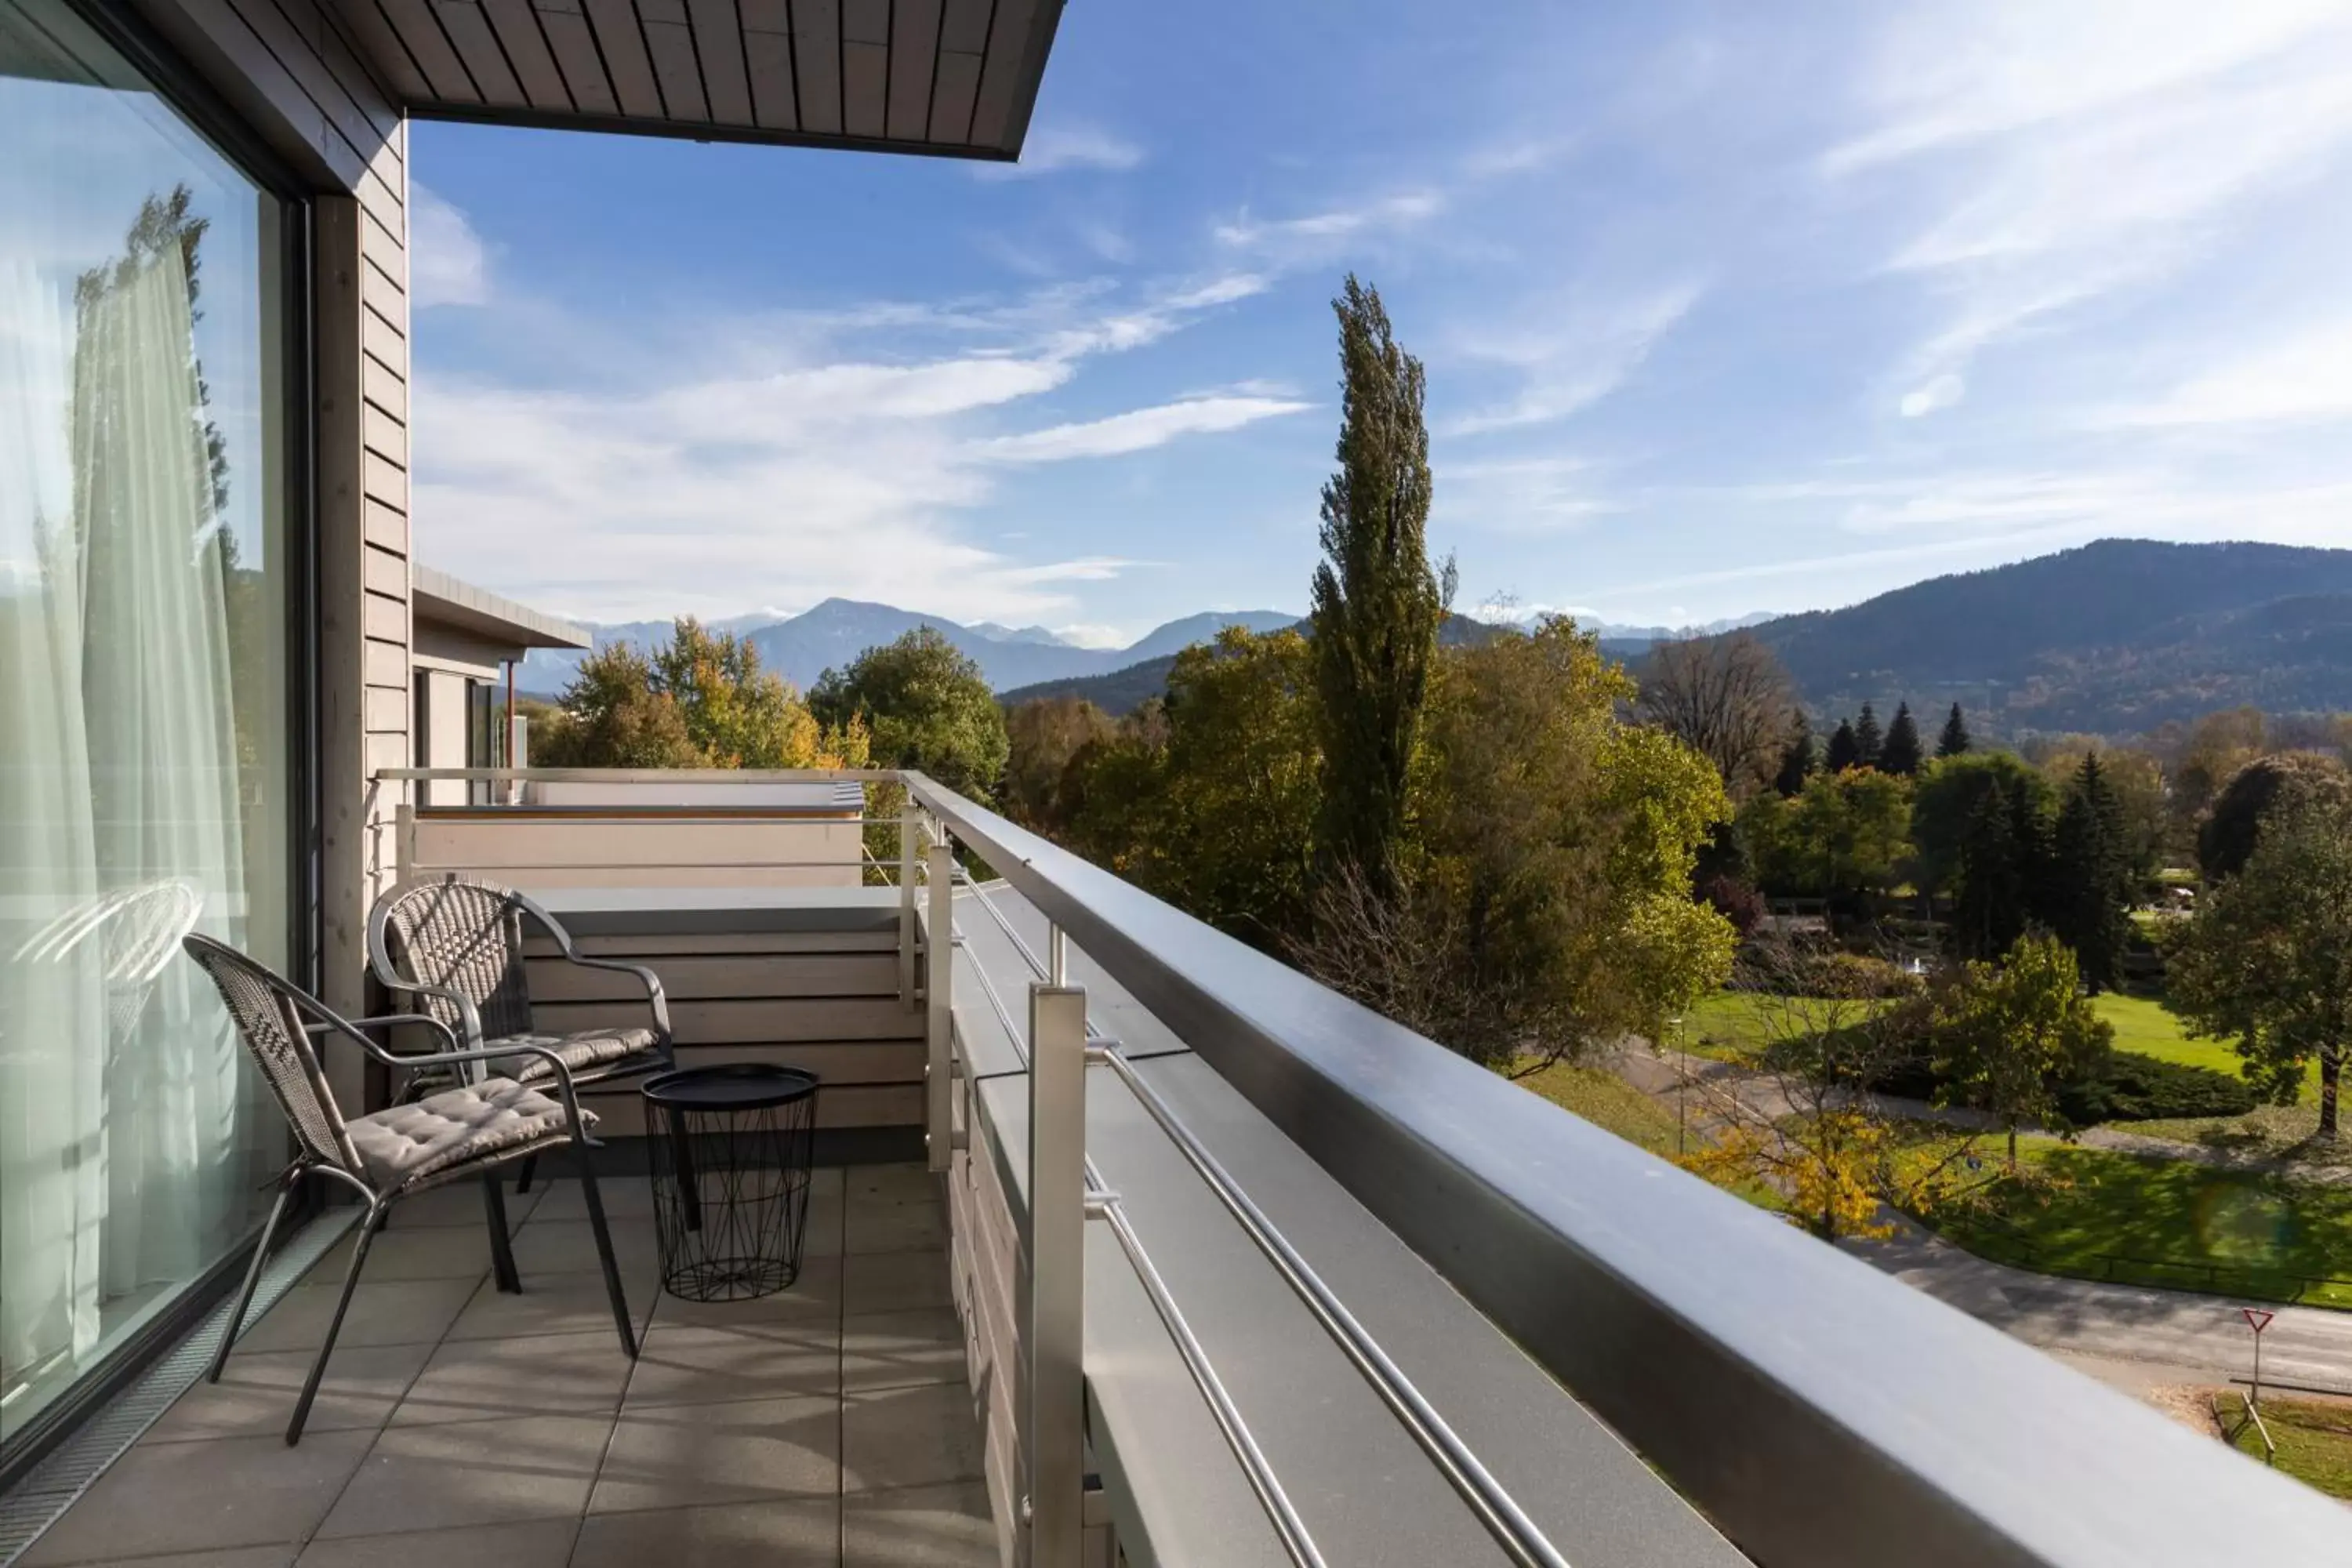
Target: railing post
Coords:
[[1057, 956], [403, 838], [909, 823], [1054, 1419], [939, 876]]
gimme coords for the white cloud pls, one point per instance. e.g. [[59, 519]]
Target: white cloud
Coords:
[[448, 264], [1942, 392], [1088, 635], [1522, 496], [1138, 430], [2306, 377], [1403, 210], [1054, 147], [1570, 354]]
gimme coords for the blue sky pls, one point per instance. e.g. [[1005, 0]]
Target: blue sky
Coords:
[[1724, 306]]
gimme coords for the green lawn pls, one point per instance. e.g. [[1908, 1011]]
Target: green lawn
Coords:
[[1608, 1102], [1729, 1024], [2162, 1221], [2314, 1438]]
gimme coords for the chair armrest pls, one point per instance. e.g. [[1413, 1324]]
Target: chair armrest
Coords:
[[655, 996]]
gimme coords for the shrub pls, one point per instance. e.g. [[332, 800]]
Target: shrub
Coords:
[[2135, 1088], [1734, 900]]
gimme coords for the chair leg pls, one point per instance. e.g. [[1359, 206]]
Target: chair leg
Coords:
[[523, 1174], [605, 1253], [368, 1227], [252, 1278], [503, 1263]]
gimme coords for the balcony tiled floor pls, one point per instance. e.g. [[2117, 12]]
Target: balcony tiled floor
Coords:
[[458, 1427]]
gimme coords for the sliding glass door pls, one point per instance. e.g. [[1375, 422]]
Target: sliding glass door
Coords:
[[145, 582]]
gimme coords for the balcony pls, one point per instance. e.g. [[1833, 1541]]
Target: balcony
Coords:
[[1143, 1246]]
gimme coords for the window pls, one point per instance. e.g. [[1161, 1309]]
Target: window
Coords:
[[144, 696]]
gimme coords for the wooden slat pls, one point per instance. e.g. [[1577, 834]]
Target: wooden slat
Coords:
[[747, 1023], [382, 295], [381, 247], [963, 26], [672, 47], [386, 618], [387, 709], [385, 664], [388, 750], [719, 42], [382, 572], [383, 389], [263, 89], [387, 528], [469, 29], [650, 946], [952, 93], [914, 56], [517, 27], [366, 85], [386, 55], [297, 48], [838, 1064], [864, 87], [624, 44], [573, 43], [413, 22], [385, 482], [622, 1114], [999, 77], [383, 342], [768, 59], [384, 436], [697, 979], [816, 64]]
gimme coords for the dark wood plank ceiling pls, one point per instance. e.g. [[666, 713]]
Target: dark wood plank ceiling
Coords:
[[949, 77]]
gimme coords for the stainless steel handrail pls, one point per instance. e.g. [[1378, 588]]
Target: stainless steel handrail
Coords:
[[1758, 1370], [1496, 1508]]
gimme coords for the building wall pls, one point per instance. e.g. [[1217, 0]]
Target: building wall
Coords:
[[283, 67]]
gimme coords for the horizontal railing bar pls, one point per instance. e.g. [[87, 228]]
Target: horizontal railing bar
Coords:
[[842, 865], [644, 776], [1758, 1370]]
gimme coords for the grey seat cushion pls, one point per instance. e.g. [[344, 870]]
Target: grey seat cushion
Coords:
[[583, 1052], [404, 1144]]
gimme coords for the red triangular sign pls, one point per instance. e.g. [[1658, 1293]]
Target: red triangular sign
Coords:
[[2256, 1318]]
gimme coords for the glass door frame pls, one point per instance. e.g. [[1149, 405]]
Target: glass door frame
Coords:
[[178, 84]]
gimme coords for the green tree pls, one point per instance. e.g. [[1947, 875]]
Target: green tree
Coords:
[[1042, 736], [1944, 804], [1853, 828], [2266, 960], [2008, 1036], [1955, 738], [2090, 888], [2262, 788], [612, 718], [1900, 754], [1796, 758], [697, 701], [926, 705], [1844, 749], [2143, 806], [1376, 603], [1869, 739]]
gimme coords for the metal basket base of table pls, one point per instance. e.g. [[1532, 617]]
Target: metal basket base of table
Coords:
[[731, 1155]]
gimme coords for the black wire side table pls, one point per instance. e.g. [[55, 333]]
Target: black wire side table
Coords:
[[730, 1150]]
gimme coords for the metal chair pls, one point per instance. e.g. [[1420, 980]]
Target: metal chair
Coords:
[[471, 1129], [457, 945], [137, 927]]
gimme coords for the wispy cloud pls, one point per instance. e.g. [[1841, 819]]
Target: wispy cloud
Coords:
[[2305, 377], [1404, 209], [1056, 149], [448, 264], [1571, 353], [1520, 495], [1136, 430]]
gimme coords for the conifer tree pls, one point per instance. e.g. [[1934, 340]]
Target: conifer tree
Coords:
[[1375, 605], [1844, 750], [1955, 738], [1797, 759], [2090, 890], [1900, 753], [1869, 739]]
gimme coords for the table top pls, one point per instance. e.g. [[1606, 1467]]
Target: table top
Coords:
[[736, 1086]]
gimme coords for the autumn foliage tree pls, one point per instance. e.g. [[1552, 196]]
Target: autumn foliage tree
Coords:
[[699, 700]]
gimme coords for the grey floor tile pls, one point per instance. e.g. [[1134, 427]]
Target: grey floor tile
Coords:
[[459, 1204], [526, 1543], [927, 1527], [256, 1392], [892, 1350], [532, 1374], [472, 1473], [552, 1304], [815, 1293], [229, 1557], [797, 1534], [754, 1360], [894, 1281], [821, 1227], [195, 1497], [690, 1455], [897, 1438], [384, 1312], [417, 1252], [884, 1184], [569, 1247], [897, 1227]]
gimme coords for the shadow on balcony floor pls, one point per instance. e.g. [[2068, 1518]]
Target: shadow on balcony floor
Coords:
[[829, 1425]]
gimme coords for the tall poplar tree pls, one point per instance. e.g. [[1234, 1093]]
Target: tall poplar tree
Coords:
[[1377, 605]]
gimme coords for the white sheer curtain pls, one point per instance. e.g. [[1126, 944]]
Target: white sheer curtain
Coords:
[[125, 1155]]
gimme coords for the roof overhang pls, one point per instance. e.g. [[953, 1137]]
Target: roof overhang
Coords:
[[440, 599], [947, 77]]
